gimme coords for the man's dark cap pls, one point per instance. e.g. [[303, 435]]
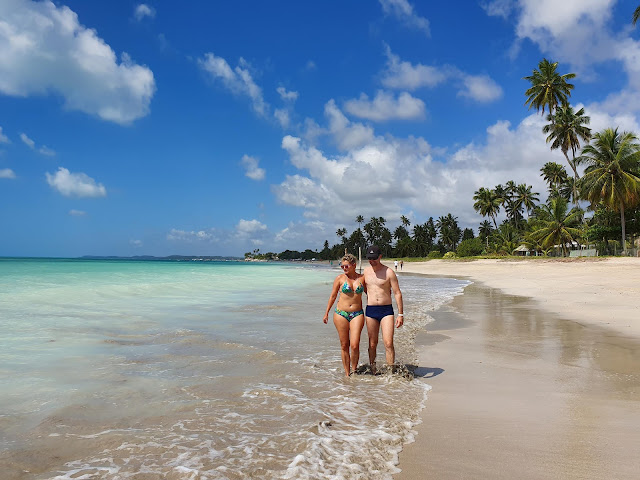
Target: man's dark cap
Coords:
[[373, 252]]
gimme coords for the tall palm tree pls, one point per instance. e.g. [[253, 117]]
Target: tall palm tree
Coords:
[[554, 174], [341, 233], [484, 230], [555, 225], [636, 16], [526, 197], [548, 88], [487, 203], [360, 221], [565, 130], [405, 221], [612, 175], [450, 232]]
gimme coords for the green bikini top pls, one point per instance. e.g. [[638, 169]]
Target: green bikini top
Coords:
[[347, 289]]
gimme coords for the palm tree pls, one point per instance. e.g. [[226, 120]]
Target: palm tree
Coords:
[[636, 15], [450, 232], [405, 221], [565, 130], [612, 175], [341, 233], [548, 88], [359, 220], [554, 174], [487, 203], [485, 230], [526, 198], [555, 225]]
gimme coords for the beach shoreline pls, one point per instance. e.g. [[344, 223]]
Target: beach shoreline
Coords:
[[529, 380], [595, 291]]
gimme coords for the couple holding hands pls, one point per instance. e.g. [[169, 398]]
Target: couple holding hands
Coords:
[[378, 282]]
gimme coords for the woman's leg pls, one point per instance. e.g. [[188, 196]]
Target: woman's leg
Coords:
[[342, 326], [355, 329]]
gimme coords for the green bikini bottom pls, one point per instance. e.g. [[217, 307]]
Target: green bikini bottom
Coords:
[[349, 315]]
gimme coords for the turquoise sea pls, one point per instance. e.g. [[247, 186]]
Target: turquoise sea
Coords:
[[194, 370]]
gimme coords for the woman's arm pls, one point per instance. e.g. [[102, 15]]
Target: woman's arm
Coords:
[[332, 298]]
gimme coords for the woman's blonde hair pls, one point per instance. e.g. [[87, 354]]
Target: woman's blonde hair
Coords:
[[349, 258]]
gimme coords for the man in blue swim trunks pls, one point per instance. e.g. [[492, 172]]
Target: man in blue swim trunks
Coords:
[[381, 281]]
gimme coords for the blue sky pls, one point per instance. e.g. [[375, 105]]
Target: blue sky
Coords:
[[214, 128]]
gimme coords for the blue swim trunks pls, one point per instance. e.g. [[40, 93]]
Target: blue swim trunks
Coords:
[[379, 311]]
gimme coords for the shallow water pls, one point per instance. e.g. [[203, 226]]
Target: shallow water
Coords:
[[217, 370]]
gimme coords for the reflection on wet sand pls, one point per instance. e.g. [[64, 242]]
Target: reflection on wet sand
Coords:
[[525, 394]]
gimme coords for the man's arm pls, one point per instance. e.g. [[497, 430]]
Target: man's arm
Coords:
[[398, 294]]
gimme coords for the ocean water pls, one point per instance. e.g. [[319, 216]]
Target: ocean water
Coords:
[[195, 370]]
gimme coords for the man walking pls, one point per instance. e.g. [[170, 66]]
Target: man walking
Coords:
[[381, 281]]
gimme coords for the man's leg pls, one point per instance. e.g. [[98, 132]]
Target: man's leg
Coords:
[[373, 329], [387, 325]]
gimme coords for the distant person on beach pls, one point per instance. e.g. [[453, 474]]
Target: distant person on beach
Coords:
[[395, 264], [401, 264], [381, 281], [348, 317]]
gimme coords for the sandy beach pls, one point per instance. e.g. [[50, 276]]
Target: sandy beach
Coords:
[[535, 373]]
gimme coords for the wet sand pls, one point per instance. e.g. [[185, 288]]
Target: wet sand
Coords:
[[522, 393]]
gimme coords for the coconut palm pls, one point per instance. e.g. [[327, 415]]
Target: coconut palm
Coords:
[[554, 174], [484, 231], [548, 88], [341, 233], [526, 197], [450, 232], [487, 203], [565, 130], [405, 221], [612, 176], [359, 220], [556, 225], [636, 15]]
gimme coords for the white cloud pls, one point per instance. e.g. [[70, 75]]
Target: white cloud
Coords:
[[46, 50], [143, 10], [346, 134], [310, 66], [282, 115], [75, 184], [3, 137], [403, 11], [192, 236], [252, 231], [579, 34], [136, 243], [286, 95], [7, 173], [27, 141], [480, 88], [386, 107], [404, 75], [238, 80], [46, 151], [499, 8], [387, 176], [252, 170], [77, 213]]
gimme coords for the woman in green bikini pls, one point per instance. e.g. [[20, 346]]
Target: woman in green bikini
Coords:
[[348, 317]]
